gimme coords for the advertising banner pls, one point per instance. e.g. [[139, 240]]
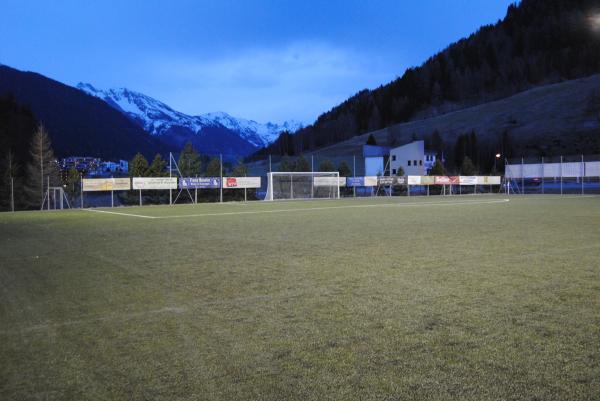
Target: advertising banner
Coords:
[[427, 180], [325, 181], [241, 182], [441, 180], [454, 179], [488, 180], [414, 180], [199, 182], [154, 182], [355, 181], [390, 181], [371, 181], [468, 180], [106, 184]]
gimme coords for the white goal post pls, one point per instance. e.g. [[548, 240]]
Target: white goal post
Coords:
[[303, 185]]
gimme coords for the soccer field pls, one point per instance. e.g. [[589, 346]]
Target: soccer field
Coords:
[[416, 298]]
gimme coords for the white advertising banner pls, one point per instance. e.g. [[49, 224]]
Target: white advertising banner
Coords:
[[106, 184], [592, 169], [414, 180], [329, 181], [467, 180], [154, 182], [371, 181], [241, 182], [489, 180], [551, 169], [572, 169]]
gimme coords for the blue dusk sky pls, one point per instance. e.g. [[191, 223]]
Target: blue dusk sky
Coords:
[[265, 60]]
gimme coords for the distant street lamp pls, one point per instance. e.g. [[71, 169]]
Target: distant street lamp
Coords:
[[498, 155]]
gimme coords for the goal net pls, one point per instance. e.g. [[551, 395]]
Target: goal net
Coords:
[[303, 185]]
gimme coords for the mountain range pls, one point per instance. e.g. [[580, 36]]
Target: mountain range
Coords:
[[211, 133]]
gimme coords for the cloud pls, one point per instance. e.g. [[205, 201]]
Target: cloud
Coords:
[[298, 81]]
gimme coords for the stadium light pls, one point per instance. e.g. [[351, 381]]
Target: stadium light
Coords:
[[498, 155], [594, 21]]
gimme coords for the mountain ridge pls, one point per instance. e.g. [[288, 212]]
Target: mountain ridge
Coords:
[[158, 118]]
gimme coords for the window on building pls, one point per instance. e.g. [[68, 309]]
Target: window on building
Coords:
[[394, 171], [415, 162], [393, 158], [420, 162], [409, 162]]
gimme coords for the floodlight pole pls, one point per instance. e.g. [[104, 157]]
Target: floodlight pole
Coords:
[[170, 190], [270, 169], [221, 188], [48, 190]]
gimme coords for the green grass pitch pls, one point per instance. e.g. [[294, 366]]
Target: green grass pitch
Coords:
[[437, 298]]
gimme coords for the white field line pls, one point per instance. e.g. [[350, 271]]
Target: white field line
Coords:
[[307, 209], [336, 207], [122, 214]]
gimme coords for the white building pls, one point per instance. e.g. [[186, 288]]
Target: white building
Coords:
[[375, 159], [412, 158]]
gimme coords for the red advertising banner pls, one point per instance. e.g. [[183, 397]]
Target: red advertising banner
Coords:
[[454, 180], [442, 180]]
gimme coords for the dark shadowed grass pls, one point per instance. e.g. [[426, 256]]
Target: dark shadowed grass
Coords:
[[469, 301]]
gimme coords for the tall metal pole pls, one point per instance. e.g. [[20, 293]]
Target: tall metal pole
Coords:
[[81, 189], [170, 190], [312, 176], [543, 175], [12, 194], [221, 189], [196, 191], [582, 175], [561, 175], [354, 175], [522, 178], [48, 190], [270, 167]]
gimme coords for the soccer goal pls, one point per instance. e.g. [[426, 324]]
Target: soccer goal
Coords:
[[303, 185]]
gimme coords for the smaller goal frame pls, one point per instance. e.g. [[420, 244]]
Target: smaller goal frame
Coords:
[[311, 174]]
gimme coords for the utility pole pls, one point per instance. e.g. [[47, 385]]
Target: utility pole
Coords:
[[12, 194]]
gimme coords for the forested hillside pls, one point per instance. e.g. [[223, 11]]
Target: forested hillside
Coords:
[[538, 42]]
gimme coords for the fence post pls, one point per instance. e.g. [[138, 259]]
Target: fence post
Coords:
[[221, 189], [543, 175], [81, 189], [170, 190], [522, 177], [561, 175], [582, 175], [354, 175]]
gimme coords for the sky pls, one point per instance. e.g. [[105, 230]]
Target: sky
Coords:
[[266, 60]]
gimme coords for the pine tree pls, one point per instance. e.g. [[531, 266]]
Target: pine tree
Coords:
[[371, 140], [42, 168], [344, 169], [240, 170], [326, 165], [10, 180], [467, 167], [286, 164], [438, 168], [213, 169], [158, 167], [73, 183], [189, 161], [138, 167], [302, 164]]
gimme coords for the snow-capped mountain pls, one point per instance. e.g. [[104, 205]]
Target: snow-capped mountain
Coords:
[[159, 119]]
